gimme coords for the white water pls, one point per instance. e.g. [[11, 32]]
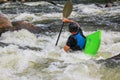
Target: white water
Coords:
[[52, 63]]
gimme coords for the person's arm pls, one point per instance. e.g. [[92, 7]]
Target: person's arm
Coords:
[[66, 48], [67, 20], [70, 44]]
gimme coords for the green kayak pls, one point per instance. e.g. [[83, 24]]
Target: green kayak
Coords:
[[92, 43]]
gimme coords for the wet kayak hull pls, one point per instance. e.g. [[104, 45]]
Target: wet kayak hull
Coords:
[[93, 41]]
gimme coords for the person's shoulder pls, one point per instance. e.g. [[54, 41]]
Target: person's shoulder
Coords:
[[71, 37]]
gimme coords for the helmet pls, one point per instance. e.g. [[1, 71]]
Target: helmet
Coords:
[[73, 27]]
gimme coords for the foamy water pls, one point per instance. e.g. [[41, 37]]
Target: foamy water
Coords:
[[51, 62]]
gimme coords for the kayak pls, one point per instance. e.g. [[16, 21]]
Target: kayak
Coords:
[[92, 45]]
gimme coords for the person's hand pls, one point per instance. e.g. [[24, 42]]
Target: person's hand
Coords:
[[66, 20], [66, 48]]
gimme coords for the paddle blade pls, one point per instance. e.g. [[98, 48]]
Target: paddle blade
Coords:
[[67, 9]]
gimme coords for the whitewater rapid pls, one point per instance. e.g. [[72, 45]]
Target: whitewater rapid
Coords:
[[50, 62]]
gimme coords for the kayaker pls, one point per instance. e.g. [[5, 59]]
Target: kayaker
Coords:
[[76, 40]]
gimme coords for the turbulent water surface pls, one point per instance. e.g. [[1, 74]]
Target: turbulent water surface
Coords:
[[50, 62]]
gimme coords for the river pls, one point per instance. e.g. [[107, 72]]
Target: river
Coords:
[[51, 62]]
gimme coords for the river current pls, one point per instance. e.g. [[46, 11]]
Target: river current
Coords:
[[50, 62]]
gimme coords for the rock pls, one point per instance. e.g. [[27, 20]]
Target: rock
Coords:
[[109, 5], [5, 23], [99, 5], [3, 1], [18, 25]]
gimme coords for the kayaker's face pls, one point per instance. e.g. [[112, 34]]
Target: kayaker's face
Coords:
[[74, 32]]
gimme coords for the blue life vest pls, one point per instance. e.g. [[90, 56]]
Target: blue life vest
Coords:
[[80, 40]]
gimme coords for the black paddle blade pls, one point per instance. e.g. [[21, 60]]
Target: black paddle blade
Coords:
[[67, 9]]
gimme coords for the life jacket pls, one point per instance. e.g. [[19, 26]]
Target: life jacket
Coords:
[[80, 40]]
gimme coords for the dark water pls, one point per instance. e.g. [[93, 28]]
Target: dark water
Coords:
[[88, 22]]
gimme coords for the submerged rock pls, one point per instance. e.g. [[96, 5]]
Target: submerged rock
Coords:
[[117, 57], [18, 25], [2, 44], [111, 62]]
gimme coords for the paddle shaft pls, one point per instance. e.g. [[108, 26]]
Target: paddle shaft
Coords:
[[66, 12], [59, 34]]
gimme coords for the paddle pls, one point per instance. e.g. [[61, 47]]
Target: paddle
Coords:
[[66, 12]]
